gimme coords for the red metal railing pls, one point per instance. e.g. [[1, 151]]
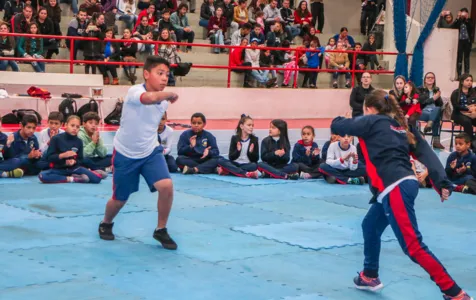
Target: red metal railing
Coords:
[[71, 61]]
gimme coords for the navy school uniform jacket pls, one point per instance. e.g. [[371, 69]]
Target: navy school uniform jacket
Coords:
[[21, 147], [324, 151], [61, 143], [386, 151], [299, 154], [3, 142], [268, 147], [468, 160], [233, 153], [204, 139]]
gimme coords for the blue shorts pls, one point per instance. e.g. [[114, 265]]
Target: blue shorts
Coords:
[[126, 173]]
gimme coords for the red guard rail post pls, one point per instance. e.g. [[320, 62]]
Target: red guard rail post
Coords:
[[71, 61]]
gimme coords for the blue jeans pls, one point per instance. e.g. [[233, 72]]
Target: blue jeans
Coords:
[[397, 210], [5, 63], [74, 5], [203, 23], [182, 35], [129, 20], [432, 113], [259, 76], [291, 32], [217, 39], [39, 67], [336, 75]]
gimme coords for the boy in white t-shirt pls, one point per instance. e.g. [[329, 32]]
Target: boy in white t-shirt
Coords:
[[165, 137], [137, 152], [342, 163], [55, 121]]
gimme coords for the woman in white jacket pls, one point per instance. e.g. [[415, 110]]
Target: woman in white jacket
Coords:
[[252, 56]]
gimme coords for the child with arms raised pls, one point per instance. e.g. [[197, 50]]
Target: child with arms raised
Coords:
[[65, 154], [306, 154], [197, 148], [244, 152], [342, 163], [275, 153], [165, 137], [95, 153]]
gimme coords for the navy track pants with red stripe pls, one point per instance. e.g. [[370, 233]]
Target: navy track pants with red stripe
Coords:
[[397, 210]]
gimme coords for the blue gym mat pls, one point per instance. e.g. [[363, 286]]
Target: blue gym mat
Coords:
[[237, 239]]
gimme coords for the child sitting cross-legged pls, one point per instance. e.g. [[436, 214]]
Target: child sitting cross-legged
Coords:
[[306, 154], [197, 148], [244, 152], [95, 153], [342, 163], [275, 153], [7, 168], [65, 155], [164, 135], [461, 164], [55, 121]]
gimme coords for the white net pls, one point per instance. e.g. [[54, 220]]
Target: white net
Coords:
[[420, 11]]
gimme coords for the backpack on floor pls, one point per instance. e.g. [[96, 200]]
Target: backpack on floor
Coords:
[[23, 112], [10, 118], [91, 106], [68, 107], [114, 118]]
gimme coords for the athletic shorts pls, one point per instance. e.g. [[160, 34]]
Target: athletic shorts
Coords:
[[127, 171]]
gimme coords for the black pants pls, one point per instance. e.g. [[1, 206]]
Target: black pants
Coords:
[[466, 122], [111, 68], [312, 170], [87, 66], [317, 11], [464, 50], [367, 20], [247, 72]]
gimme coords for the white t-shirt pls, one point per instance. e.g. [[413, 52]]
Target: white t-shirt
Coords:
[[44, 139], [167, 139], [335, 153], [137, 135], [243, 158]]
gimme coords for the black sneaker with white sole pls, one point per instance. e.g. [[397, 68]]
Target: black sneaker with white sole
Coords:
[[162, 236], [105, 231]]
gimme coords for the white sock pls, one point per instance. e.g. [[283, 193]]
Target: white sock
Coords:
[[70, 179]]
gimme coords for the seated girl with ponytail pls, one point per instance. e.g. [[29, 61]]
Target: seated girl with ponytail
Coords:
[[386, 141], [243, 155]]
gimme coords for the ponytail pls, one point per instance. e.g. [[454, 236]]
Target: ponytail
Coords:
[[387, 105]]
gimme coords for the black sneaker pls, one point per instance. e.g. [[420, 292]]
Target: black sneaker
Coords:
[[105, 231], [164, 238], [294, 176]]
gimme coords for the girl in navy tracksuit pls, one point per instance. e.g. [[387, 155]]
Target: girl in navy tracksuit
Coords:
[[65, 154], [275, 153], [306, 154], [243, 155], [197, 148], [386, 144]]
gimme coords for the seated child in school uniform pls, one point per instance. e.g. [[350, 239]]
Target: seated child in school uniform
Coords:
[[306, 154], [197, 148], [243, 155], [7, 169], [65, 154], [55, 121], [334, 138], [94, 151], [165, 137], [461, 164], [23, 150], [275, 153], [342, 163]]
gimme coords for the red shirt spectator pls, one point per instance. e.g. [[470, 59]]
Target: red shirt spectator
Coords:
[[150, 13]]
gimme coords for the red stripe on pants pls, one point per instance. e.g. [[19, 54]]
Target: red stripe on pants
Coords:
[[414, 248]]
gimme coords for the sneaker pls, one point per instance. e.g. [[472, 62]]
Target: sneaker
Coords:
[[365, 283], [294, 176], [348, 85], [17, 173], [80, 178], [164, 238], [188, 171], [253, 175], [459, 188], [356, 180], [334, 85], [105, 231], [461, 296], [305, 175], [465, 190]]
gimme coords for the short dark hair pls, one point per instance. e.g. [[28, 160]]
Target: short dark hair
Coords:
[[199, 115], [166, 10], [182, 5], [463, 136], [152, 4], [153, 61], [56, 116], [358, 44], [28, 6], [246, 26], [464, 9], [91, 115], [29, 119], [83, 10], [241, 1], [256, 26], [344, 29]]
